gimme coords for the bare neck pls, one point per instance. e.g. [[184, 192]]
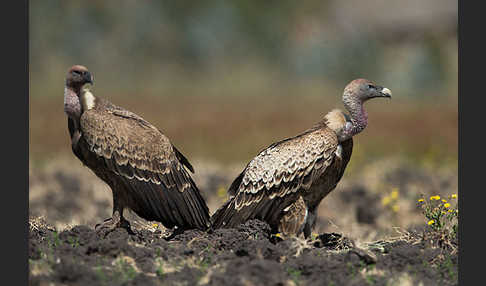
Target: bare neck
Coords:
[[72, 106], [358, 117]]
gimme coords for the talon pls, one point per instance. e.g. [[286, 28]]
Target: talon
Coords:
[[110, 224], [174, 233]]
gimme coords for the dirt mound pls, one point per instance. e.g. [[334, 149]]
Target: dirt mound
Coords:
[[246, 255]]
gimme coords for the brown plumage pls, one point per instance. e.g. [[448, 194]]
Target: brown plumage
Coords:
[[284, 184], [293, 218], [145, 172]]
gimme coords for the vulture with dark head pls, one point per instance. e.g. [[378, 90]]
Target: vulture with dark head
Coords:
[[284, 184], [145, 172]]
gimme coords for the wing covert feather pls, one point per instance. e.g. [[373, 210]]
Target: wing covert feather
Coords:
[[276, 176], [290, 161], [148, 165], [129, 142]]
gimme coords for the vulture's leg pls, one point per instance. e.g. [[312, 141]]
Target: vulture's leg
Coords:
[[310, 222], [121, 221], [176, 231], [117, 220]]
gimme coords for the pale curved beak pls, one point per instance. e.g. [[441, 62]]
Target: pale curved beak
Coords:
[[386, 92]]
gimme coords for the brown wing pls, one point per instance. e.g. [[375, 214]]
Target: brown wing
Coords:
[[274, 179], [300, 217], [147, 166]]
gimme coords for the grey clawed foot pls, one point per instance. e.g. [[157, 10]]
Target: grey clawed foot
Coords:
[[174, 233], [110, 224]]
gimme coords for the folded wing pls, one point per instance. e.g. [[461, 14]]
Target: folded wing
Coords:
[[276, 177], [148, 171]]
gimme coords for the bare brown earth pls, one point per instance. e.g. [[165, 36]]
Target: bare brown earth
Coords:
[[247, 255], [358, 240]]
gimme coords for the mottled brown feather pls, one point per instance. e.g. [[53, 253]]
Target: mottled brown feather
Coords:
[[277, 176], [293, 218], [141, 166]]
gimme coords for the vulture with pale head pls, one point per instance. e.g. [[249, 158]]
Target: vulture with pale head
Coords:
[[145, 172], [284, 184]]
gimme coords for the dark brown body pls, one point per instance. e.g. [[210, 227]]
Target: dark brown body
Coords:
[[289, 205], [145, 172], [284, 184], [325, 184]]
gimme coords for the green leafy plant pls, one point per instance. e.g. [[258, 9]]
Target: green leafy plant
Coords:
[[54, 239], [124, 270], [449, 268], [160, 267], [294, 274], [73, 241]]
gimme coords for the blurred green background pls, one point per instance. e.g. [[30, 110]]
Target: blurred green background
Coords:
[[225, 79]]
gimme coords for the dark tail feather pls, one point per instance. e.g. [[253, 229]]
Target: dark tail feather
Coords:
[[196, 205], [183, 159], [179, 199], [268, 210], [202, 215], [182, 182], [227, 216], [148, 203], [167, 204], [191, 206], [223, 214]]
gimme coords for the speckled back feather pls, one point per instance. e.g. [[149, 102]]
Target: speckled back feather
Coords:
[[277, 176], [142, 166]]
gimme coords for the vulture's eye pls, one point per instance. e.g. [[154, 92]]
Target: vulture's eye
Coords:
[[77, 72], [371, 86]]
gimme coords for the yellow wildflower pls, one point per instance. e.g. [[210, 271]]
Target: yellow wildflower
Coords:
[[436, 198], [155, 225], [394, 194], [221, 192], [454, 196], [395, 207], [431, 222], [444, 201], [446, 205], [443, 212], [278, 235], [449, 210], [385, 201], [420, 200]]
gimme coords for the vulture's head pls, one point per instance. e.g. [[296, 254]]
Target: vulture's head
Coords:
[[360, 90], [78, 76]]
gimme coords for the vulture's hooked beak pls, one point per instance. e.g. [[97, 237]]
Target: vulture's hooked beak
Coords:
[[88, 77], [385, 92]]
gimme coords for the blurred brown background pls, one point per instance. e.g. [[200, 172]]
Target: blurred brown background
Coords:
[[225, 79]]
